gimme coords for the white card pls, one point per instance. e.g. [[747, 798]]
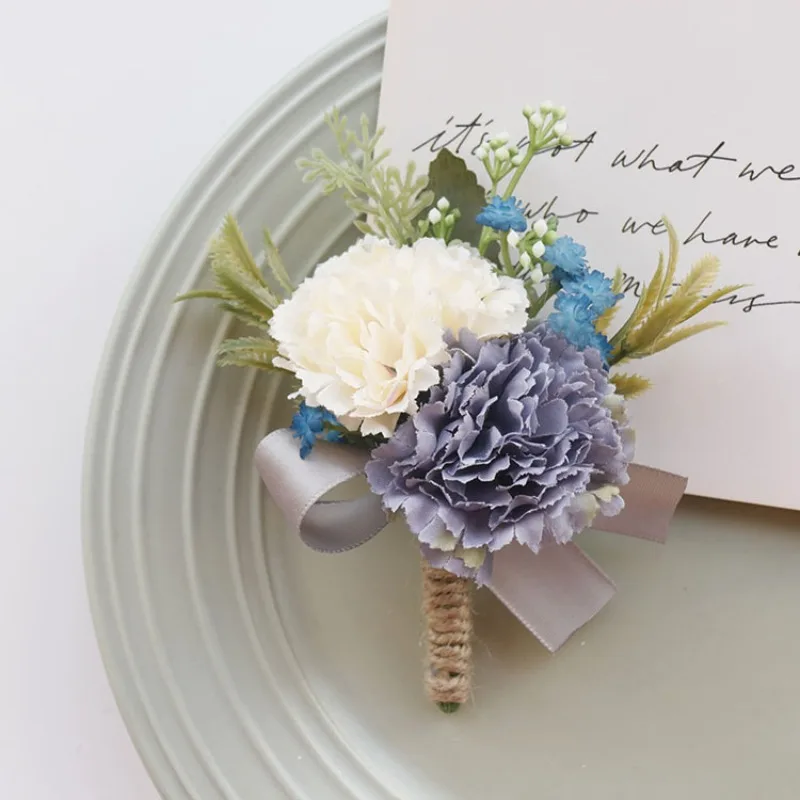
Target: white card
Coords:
[[687, 109]]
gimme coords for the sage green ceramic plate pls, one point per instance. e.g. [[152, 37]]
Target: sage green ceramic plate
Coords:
[[248, 668]]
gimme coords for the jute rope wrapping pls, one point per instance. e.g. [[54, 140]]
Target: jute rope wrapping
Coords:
[[447, 606]]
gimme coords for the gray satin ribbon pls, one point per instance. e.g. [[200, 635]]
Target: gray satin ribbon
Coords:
[[553, 592]]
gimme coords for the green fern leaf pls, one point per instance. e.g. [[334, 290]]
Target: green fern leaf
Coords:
[[392, 200], [680, 334], [249, 295], [364, 227], [653, 294], [244, 361], [637, 315], [256, 346], [618, 281], [699, 278], [247, 351], [658, 324], [669, 312], [710, 298], [654, 324], [229, 249], [245, 316], [630, 385], [672, 261], [199, 295], [650, 296], [275, 263]]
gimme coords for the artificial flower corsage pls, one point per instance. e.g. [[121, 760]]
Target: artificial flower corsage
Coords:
[[466, 359]]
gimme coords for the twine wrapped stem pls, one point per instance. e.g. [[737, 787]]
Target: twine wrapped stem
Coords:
[[447, 606]]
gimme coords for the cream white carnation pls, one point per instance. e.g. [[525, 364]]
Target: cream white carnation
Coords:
[[365, 333]]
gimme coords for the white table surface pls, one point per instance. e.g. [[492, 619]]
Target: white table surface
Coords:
[[107, 109]]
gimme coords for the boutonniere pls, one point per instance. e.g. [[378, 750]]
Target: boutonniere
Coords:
[[470, 362]]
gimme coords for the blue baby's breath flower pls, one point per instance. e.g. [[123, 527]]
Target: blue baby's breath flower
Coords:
[[597, 287], [600, 343], [574, 319], [567, 257], [584, 296], [308, 425], [503, 215]]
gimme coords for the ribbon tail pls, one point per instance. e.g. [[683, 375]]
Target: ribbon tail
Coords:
[[651, 497], [297, 486], [553, 592]]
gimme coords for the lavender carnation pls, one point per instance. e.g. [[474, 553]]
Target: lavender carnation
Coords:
[[523, 439]]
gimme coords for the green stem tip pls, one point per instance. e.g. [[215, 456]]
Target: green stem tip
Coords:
[[449, 708]]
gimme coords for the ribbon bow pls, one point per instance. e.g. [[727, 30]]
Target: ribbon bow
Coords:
[[553, 592]]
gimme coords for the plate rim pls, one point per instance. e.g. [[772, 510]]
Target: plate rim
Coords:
[[153, 755]]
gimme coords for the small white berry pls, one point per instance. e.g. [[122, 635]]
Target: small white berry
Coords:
[[434, 216], [517, 159], [560, 112], [500, 138], [565, 140], [540, 227], [443, 204], [502, 154], [513, 238], [538, 249], [482, 152], [536, 120], [536, 276], [560, 128], [545, 107], [527, 110], [525, 260]]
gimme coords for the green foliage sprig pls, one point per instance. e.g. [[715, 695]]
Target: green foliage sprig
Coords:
[[657, 321], [387, 200], [244, 291]]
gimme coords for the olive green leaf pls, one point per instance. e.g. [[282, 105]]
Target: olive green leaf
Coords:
[[449, 176]]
